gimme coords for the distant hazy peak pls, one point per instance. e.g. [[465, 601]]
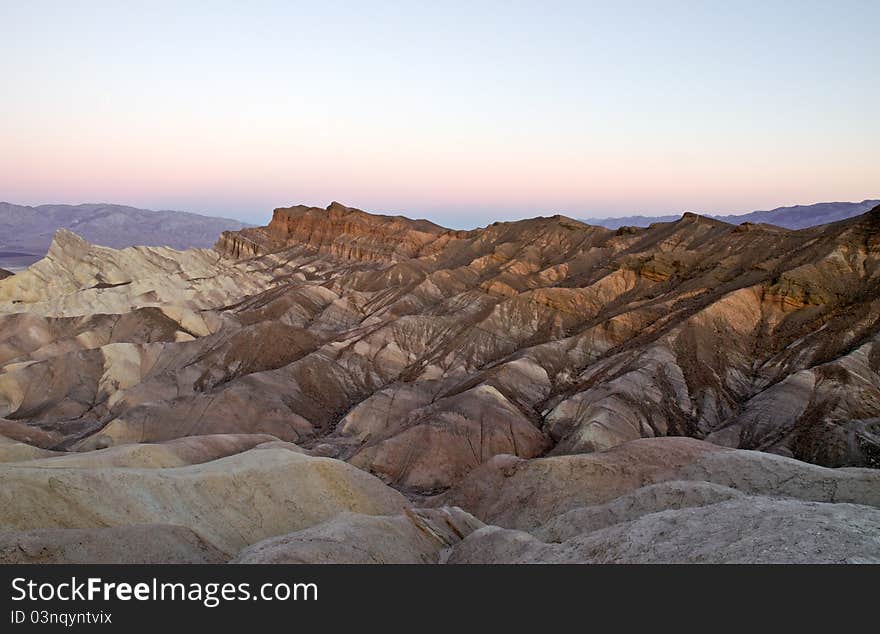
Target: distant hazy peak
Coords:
[[27, 232], [794, 217]]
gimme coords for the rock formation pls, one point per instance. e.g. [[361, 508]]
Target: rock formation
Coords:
[[416, 536], [552, 379], [751, 530], [135, 544], [26, 232], [230, 502], [336, 230]]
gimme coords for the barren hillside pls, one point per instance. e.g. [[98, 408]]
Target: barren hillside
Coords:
[[452, 365]]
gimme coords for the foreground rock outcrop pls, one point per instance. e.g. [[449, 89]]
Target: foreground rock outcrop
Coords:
[[418, 536], [665, 500], [230, 502], [136, 544], [526, 494], [747, 530]]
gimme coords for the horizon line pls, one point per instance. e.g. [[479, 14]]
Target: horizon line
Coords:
[[545, 214]]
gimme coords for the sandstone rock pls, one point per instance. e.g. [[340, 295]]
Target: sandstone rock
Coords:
[[743, 530], [198, 389], [436, 445], [15, 451], [231, 502], [560, 316], [525, 494], [173, 453], [417, 536], [421, 354], [337, 230], [649, 499], [78, 278], [138, 544]]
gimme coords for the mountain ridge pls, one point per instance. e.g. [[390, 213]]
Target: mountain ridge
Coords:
[[532, 391], [26, 232], [789, 217], [576, 304]]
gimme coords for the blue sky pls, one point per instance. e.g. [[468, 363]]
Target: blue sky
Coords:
[[462, 112]]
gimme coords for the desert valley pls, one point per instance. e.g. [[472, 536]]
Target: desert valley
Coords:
[[340, 386]]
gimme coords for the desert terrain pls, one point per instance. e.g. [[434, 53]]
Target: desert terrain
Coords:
[[340, 386]]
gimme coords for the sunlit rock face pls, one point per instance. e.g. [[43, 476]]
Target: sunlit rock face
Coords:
[[336, 230]]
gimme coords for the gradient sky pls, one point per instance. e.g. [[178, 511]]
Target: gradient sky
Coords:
[[463, 113]]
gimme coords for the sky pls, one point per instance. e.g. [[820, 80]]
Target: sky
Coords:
[[464, 113]]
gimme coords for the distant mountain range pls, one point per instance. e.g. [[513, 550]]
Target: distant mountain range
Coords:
[[795, 217], [26, 232]]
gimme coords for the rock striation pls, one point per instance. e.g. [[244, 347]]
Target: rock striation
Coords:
[[522, 338], [337, 230], [545, 376]]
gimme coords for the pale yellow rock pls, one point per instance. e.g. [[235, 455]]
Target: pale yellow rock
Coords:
[[231, 502], [138, 544], [417, 536], [15, 451], [180, 452]]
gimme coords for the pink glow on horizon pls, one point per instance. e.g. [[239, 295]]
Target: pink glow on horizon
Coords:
[[463, 116], [212, 180]]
